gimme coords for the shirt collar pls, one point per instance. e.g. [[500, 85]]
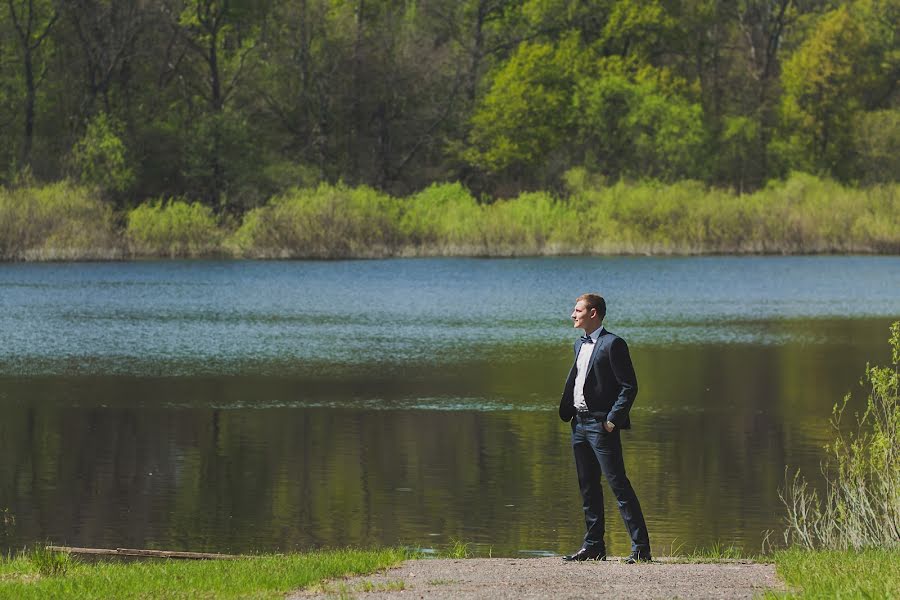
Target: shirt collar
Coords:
[[596, 335]]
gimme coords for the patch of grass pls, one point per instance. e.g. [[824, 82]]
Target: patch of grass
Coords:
[[718, 552], [56, 222], [441, 581], [265, 576], [873, 573], [50, 563], [171, 229], [340, 589], [458, 549], [395, 585]]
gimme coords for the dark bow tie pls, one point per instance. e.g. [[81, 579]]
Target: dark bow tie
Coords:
[[586, 339]]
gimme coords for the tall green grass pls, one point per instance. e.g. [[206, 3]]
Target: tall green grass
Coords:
[[326, 222], [56, 222], [801, 215], [860, 507], [804, 214], [268, 576], [173, 229], [868, 574]]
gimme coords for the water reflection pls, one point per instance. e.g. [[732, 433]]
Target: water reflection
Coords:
[[240, 406], [408, 456]]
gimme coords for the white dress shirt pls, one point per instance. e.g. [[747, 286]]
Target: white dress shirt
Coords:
[[581, 369]]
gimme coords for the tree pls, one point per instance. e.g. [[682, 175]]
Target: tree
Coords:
[[107, 32], [527, 112], [639, 124], [32, 21], [100, 156], [825, 83]]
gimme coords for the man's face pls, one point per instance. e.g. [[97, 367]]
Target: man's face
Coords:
[[584, 317]]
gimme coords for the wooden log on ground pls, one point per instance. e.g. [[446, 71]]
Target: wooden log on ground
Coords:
[[145, 553]]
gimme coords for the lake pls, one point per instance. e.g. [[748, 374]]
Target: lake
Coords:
[[233, 406]]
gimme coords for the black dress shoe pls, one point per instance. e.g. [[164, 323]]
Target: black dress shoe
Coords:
[[637, 557], [586, 554]]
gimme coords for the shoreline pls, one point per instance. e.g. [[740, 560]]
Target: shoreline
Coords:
[[122, 256], [803, 215]]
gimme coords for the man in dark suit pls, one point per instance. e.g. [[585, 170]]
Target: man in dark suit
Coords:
[[599, 392]]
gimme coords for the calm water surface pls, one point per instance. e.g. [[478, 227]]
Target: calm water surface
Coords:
[[244, 406]]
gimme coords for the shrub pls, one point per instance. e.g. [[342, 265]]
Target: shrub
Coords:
[[60, 221], [173, 228], [50, 562], [861, 506], [326, 222], [444, 217], [532, 224], [100, 156]]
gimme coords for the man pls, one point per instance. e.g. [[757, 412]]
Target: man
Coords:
[[597, 399]]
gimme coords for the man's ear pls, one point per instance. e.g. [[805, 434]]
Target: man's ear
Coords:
[[593, 312]]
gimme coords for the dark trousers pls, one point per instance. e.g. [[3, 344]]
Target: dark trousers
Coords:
[[600, 452]]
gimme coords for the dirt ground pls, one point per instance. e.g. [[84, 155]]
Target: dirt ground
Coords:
[[539, 578]]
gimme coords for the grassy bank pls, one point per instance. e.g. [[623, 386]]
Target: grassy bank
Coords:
[[870, 573], [799, 216], [268, 576], [844, 543], [57, 222]]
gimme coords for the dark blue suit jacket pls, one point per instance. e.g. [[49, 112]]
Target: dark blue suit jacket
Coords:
[[610, 386]]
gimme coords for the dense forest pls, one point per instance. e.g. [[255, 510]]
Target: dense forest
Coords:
[[231, 102]]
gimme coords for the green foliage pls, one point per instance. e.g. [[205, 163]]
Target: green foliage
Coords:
[[458, 549], [222, 164], [55, 222], [326, 222], [872, 573], [861, 505], [527, 112], [717, 552], [444, 217], [219, 101], [876, 136], [820, 96], [847, 64], [100, 156], [172, 228], [637, 124], [266, 576], [801, 215], [48, 562]]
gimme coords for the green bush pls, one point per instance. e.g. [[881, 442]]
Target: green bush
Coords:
[[803, 214], [60, 221], [861, 505], [100, 156], [326, 222], [443, 218], [49, 562], [173, 228], [533, 223]]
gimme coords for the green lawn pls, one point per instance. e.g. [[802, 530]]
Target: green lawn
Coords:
[[834, 574], [266, 576]]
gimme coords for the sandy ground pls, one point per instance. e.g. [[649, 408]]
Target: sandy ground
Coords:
[[533, 578]]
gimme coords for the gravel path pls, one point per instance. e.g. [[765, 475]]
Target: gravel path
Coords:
[[540, 578]]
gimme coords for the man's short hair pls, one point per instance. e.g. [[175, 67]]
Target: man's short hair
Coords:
[[594, 301]]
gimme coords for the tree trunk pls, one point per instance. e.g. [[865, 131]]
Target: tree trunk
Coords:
[[30, 98]]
